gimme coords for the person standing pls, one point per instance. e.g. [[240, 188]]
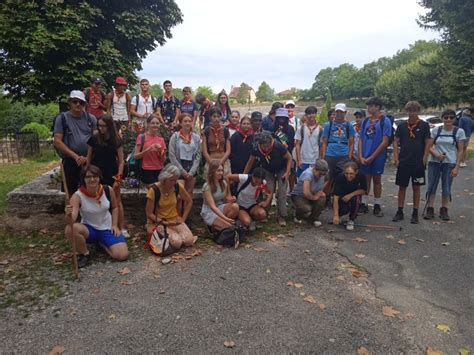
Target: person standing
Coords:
[[359, 118], [216, 142], [72, 130], [222, 103], [307, 139], [292, 118], [233, 123], [374, 138], [118, 103], [269, 120], [189, 106], [241, 146], [204, 111], [256, 122], [95, 98], [410, 155], [445, 158], [467, 124], [168, 106], [142, 106]]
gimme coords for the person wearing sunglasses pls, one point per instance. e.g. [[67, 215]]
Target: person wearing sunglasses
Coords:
[[445, 158], [72, 130]]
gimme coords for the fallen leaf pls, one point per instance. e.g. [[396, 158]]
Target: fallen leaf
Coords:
[[302, 294], [443, 328], [112, 317], [268, 271], [272, 238], [341, 278], [124, 271], [466, 190], [310, 299], [431, 351], [162, 292], [409, 203], [360, 240], [126, 283], [445, 244], [322, 306], [4, 262], [436, 222], [420, 240], [360, 256], [298, 285], [368, 230], [57, 350], [409, 315], [260, 250], [346, 265], [451, 222], [44, 231], [389, 236], [471, 193], [99, 273], [306, 251], [389, 311], [462, 216], [357, 274], [359, 300], [229, 344], [290, 283], [464, 351], [362, 350], [402, 242], [31, 245]]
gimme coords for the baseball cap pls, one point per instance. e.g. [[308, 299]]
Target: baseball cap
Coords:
[[359, 112], [275, 106], [290, 102], [96, 80], [281, 112], [321, 165], [341, 107], [120, 81], [256, 115], [77, 94]]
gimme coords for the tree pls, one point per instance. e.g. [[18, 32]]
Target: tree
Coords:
[[155, 90], [206, 91], [323, 116], [265, 93], [51, 47], [243, 93]]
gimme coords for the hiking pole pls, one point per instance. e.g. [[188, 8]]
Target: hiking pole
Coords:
[[380, 226], [75, 267]]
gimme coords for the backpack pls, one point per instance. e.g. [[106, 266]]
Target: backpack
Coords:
[[347, 131], [64, 125], [453, 135], [382, 124], [153, 101], [88, 95], [135, 165], [318, 130], [230, 237]]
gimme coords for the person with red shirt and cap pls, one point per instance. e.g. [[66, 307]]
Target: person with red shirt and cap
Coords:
[[95, 98]]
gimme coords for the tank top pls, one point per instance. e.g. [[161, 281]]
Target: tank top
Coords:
[[94, 214], [119, 107]]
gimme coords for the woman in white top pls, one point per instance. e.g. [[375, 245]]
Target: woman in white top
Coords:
[[98, 224]]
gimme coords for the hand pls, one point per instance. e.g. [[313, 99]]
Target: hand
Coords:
[[346, 198], [80, 160], [369, 160], [187, 176], [116, 231], [229, 220], [396, 162], [441, 157], [231, 199], [116, 185], [425, 161], [300, 164], [319, 194], [455, 171], [178, 220], [68, 210], [285, 176], [336, 220], [363, 161], [262, 204]]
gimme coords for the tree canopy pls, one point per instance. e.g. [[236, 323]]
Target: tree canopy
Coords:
[[54, 46], [265, 93]]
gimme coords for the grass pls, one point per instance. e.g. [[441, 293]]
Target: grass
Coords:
[[13, 175]]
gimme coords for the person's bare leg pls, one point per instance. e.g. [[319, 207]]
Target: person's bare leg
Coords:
[[79, 234]]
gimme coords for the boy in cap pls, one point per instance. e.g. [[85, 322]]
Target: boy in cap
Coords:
[[269, 120], [95, 98]]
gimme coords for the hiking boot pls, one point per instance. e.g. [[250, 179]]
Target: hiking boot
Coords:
[[429, 214], [363, 208], [398, 216], [82, 260], [378, 211], [443, 213], [253, 226], [414, 218], [350, 225]]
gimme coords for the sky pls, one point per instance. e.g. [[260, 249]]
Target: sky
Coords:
[[285, 43]]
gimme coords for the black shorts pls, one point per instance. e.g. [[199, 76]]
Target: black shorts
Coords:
[[149, 176], [406, 172], [336, 165], [247, 209]]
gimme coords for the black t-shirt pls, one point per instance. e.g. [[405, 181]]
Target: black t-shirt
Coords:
[[276, 161], [240, 152], [412, 149], [105, 158], [342, 186]]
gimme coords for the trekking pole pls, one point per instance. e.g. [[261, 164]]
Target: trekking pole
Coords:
[[75, 267], [380, 226]]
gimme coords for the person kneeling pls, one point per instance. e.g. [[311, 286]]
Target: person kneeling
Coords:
[[308, 196], [162, 208], [249, 188], [93, 202], [349, 186]]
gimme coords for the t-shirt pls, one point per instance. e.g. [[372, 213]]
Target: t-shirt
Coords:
[[412, 149], [119, 107], [275, 161], [145, 105], [342, 186], [310, 146], [444, 144], [189, 107], [371, 136], [247, 197], [78, 132], [286, 136], [337, 139], [94, 99], [218, 195], [240, 152], [467, 124], [356, 141], [152, 160], [168, 107], [167, 206], [294, 122], [268, 123], [316, 183], [104, 157]]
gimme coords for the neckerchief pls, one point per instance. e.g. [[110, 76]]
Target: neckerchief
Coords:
[[187, 138], [411, 128], [311, 130], [233, 126], [245, 135], [357, 128], [260, 188], [190, 101], [266, 154], [96, 195], [215, 132]]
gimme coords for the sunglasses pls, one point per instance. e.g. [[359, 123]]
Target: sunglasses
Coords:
[[449, 117], [75, 102]]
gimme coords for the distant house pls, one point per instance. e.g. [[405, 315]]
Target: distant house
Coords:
[[290, 94], [234, 92]]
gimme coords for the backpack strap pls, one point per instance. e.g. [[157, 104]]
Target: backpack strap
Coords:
[[244, 185], [438, 133], [107, 194], [452, 135], [302, 133], [142, 142], [157, 192]]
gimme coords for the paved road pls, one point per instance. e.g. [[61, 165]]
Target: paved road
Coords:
[[194, 306]]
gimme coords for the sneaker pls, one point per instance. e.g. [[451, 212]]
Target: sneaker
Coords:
[[252, 226], [363, 208], [350, 225], [463, 164], [82, 260], [443, 213], [378, 211], [125, 233], [414, 218], [317, 224], [297, 221], [429, 214], [398, 216], [281, 222]]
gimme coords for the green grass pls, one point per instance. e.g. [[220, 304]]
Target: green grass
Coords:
[[14, 174]]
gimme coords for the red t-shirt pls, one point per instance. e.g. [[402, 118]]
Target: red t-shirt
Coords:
[[93, 104], [152, 160]]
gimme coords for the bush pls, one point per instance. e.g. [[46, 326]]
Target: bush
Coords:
[[41, 129]]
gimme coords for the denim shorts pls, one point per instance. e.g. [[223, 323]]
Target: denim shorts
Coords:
[[103, 237], [437, 171]]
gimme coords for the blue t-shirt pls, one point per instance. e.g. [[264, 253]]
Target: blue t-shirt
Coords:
[[371, 136], [189, 107], [467, 124], [267, 124], [316, 184], [337, 139]]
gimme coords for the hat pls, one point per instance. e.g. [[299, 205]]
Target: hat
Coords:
[[290, 102], [275, 106], [281, 112], [341, 107], [120, 81], [321, 165], [97, 80], [359, 113], [256, 115], [77, 94]]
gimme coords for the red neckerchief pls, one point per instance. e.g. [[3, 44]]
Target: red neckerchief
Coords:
[[215, 132], [233, 126], [245, 135], [357, 128], [96, 195], [265, 154], [190, 101], [187, 138], [411, 128], [260, 188]]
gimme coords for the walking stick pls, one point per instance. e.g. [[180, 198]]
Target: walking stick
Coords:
[[75, 268]]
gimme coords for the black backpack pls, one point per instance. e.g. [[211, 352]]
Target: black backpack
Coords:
[[62, 117], [230, 237], [382, 124], [453, 135]]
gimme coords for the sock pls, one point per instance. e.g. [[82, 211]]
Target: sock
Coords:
[[377, 200], [364, 199], [415, 211]]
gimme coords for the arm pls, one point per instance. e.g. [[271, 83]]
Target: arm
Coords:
[[129, 109], [115, 212], [233, 178], [268, 199], [249, 164], [289, 162], [150, 214], [196, 161], [72, 210], [205, 153], [359, 149], [121, 161], [379, 150], [358, 192], [459, 156], [59, 144], [212, 205], [428, 145], [324, 145], [188, 202], [227, 151], [172, 154], [298, 153], [89, 155], [335, 209], [351, 147], [396, 141]]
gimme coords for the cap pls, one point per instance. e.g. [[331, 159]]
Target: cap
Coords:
[[77, 94], [256, 115], [341, 107], [281, 112], [275, 106], [290, 102], [321, 165], [96, 80], [359, 113], [120, 81]]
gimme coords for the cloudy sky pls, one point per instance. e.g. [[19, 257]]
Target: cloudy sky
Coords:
[[223, 43]]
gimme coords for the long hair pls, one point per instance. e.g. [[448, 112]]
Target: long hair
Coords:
[[114, 138], [211, 173], [227, 106]]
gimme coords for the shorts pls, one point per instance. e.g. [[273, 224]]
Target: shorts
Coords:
[[247, 209], [376, 168], [336, 165], [208, 215], [187, 165], [103, 237], [406, 172], [149, 176], [437, 171]]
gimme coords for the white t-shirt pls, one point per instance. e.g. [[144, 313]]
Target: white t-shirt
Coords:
[[246, 197], [144, 105], [310, 146], [94, 214], [444, 144]]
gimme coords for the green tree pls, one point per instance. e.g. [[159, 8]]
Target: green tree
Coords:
[[156, 90], [42, 130], [323, 115], [206, 91], [178, 93], [243, 93], [265, 93], [51, 47]]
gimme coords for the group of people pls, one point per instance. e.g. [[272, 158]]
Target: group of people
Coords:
[[248, 161]]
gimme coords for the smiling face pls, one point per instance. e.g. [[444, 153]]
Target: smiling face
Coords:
[[76, 106], [168, 88], [91, 181], [215, 119], [186, 123], [373, 110], [223, 99], [219, 173], [235, 118], [144, 87], [245, 125], [350, 173], [340, 115], [153, 126]]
